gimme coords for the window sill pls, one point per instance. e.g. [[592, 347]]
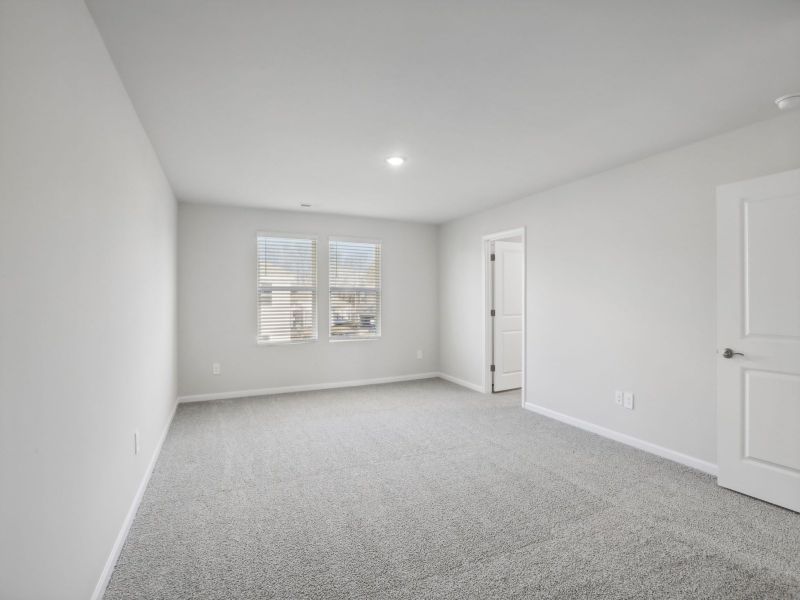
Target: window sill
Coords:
[[336, 340], [286, 343]]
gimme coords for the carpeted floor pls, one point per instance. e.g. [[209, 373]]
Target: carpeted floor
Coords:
[[428, 490]]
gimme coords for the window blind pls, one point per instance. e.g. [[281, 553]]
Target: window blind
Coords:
[[287, 289], [354, 271]]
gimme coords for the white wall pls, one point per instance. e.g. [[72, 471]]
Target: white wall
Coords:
[[217, 302], [87, 305], [621, 272]]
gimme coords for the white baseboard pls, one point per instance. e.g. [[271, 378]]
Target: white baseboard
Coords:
[[461, 382], [302, 388], [678, 457], [111, 562]]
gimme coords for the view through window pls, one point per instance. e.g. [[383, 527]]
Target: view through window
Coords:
[[355, 289], [287, 289]]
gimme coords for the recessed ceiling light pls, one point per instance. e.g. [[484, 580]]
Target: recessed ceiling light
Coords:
[[788, 102], [396, 161]]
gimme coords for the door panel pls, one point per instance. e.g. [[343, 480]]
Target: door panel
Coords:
[[512, 280], [507, 323], [512, 352], [758, 314], [771, 419], [772, 282]]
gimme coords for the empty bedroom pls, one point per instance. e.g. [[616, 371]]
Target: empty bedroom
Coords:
[[362, 299]]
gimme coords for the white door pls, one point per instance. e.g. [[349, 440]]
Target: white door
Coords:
[[507, 321], [758, 315]]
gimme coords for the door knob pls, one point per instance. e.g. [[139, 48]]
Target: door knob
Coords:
[[729, 353]]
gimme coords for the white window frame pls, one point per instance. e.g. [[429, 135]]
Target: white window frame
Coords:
[[359, 338], [315, 311]]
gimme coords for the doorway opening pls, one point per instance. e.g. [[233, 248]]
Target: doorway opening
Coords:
[[504, 310]]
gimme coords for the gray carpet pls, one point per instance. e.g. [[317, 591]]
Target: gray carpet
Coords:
[[428, 490]]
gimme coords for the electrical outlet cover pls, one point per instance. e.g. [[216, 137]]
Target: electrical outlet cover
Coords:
[[618, 397], [628, 400]]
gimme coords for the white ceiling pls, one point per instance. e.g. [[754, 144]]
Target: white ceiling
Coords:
[[281, 102]]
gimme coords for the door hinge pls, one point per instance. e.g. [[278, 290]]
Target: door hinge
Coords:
[[492, 257], [491, 368], [492, 313]]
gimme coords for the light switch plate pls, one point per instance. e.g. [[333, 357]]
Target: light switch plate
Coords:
[[618, 397]]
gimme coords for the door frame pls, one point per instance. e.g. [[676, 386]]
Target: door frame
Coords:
[[486, 241]]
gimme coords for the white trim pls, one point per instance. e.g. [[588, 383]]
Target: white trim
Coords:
[[678, 457], [111, 562], [504, 234], [355, 240], [302, 388], [462, 382], [279, 234], [486, 338]]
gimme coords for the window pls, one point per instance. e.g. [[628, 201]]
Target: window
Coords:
[[287, 289], [355, 289]]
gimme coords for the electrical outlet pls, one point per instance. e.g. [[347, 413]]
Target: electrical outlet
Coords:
[[419, 354], [618, 397], [216, 369], [627, 401], [136, 442]]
